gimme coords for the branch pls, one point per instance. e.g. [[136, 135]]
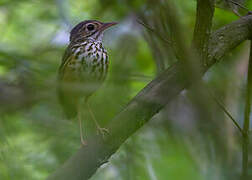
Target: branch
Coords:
[[218, 102], [226, 38], [146, 104], [245, 131], [203, 25], [239, 5], [153, 31]]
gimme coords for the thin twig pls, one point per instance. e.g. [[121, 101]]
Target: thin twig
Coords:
[[226, 112], [238, 4], [153, 30]]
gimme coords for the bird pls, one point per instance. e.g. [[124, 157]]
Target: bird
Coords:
[[83, 69]]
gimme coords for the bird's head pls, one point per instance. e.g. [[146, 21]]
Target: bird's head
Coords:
[[90, 29]]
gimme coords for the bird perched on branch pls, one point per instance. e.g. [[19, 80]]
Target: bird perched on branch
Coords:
[[83, 69]]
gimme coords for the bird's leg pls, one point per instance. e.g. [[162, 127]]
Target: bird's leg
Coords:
[[80, 124], [100, 130]]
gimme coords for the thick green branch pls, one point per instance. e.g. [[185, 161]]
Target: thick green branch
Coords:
[[145, 105]]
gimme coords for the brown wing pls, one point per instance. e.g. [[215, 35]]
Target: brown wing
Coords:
[[66, 98], [65, 59]]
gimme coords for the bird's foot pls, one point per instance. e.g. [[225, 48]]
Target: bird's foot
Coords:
[[102, 131], [83, 143]]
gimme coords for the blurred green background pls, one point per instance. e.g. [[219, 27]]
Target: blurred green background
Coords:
[[35, 136]]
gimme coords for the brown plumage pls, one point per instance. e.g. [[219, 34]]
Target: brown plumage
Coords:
[[84, 65]]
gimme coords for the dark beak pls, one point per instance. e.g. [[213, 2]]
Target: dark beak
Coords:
[[107, 25]]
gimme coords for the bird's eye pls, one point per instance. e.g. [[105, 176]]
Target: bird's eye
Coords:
[[90, 27]]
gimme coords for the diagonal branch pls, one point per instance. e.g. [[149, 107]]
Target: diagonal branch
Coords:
[[222, 106], [153, 31], [146, 104]]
